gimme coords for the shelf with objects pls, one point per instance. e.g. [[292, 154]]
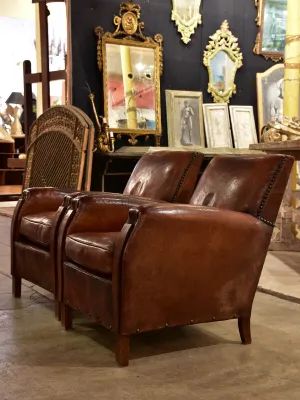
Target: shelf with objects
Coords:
[[12, 147]]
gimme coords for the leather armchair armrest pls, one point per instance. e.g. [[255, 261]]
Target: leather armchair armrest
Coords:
[[36, 200], [188, 263], [103, 212]]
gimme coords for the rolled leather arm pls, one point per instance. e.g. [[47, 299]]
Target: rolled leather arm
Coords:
[[103, 212], [187, 264], [36, 200]]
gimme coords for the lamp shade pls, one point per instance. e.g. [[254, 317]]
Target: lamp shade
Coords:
[[15, 98]]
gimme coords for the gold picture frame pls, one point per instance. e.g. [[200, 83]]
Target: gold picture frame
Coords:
[[185, 119], [186, 23], [275, 40], [222, 54], [129, 38]]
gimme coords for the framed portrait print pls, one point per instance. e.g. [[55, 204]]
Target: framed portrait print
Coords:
[[270, 90], [217, 125], [185, 118], [243, 126]]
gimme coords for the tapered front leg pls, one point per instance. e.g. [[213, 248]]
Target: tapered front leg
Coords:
[[16, 287], [58, 310], [122, 350], [245, 330], [66, 316]]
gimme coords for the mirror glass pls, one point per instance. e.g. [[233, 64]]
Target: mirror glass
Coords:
[[274, 26], [223, 70], [186, 9], [131, 87]]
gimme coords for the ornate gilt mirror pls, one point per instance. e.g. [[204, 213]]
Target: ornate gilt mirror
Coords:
[[222, 59], [186, 14], [271, 20], [132, 65]]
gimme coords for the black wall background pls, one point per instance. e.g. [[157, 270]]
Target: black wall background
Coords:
[[183, 64]]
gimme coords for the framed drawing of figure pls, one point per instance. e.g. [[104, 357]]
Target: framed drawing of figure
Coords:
[[270, 90], [217, 125], [185, 119], [243, 126]]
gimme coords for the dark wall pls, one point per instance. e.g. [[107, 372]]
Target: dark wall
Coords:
[[183, 64]]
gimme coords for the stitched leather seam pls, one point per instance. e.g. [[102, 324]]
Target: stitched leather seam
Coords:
[[90, 245], [270, 187], [30, 246], [37, 223], [70, 264], [36, 241], [184, 175]]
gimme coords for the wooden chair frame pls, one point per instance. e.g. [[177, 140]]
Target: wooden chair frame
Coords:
[[45, 76]]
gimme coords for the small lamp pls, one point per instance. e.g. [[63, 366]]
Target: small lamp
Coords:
[[15, 112]]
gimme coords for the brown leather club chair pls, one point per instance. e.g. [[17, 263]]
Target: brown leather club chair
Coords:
[[174, 265], [164, 175]]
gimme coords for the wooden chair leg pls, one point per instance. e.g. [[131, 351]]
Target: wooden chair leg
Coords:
[[16, 287], [122, 350], [58, 310], [66, 316], [245, 330]]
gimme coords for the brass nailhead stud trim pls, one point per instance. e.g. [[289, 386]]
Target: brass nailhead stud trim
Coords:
[[137, 331], [265, 198], [213, 318], [184, 176]]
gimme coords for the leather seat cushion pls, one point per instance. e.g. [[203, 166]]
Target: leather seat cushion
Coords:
[[37, 228], [92, 250]]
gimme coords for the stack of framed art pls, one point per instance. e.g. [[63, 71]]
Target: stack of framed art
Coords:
[[187, 116]]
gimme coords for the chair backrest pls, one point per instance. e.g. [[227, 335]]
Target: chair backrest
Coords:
[[56, 150], [166, 175], [252, 184]]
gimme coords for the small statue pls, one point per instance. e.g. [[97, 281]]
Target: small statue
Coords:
[[15, 113]]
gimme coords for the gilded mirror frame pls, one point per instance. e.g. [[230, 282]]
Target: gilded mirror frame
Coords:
[[129, 32], [222, 40], [273, 55], [187, 27]]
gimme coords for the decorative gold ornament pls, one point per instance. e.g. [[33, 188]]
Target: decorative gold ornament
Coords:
[[281, 130], [117, 55], [258, 46], [105, 139], [187, 17], [222, 59]]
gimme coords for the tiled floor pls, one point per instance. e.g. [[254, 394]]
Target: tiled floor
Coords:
[[40, 361]]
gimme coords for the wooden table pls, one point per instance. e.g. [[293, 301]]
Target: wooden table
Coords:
[[121, 162]]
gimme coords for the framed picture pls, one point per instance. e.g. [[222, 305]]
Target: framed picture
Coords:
[[185, 119], [243, 126], [217, 125], [270, 89]]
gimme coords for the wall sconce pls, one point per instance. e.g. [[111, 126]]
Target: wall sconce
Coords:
[[105, 139], [186, 14]]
